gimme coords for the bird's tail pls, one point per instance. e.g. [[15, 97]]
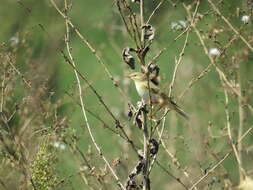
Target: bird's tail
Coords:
[[181, 112], [172, 105]]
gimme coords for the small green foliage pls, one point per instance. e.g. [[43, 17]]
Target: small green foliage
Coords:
[[42, 169]]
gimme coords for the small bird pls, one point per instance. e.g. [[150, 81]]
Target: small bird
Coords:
[[153, 95]]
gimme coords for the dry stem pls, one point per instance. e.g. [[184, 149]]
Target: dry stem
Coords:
[[82, 105]]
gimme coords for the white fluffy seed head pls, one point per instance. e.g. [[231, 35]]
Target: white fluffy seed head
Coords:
[[245, 19], [214, 51]]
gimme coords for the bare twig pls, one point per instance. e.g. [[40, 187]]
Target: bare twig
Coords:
[[91, 48], [245, 134], [3, 185], [82, 105], [2, 93], [117, 122], [193, 22], [210, 171], [207, 69], [124, 20], [171, 175], [221, 161], [194, 80], [18, 72], [241, 126], [146, 155], [172, 156], [215, 8], [220, 72], [142, 22], [177, 63], [239, 161], [153, 12]]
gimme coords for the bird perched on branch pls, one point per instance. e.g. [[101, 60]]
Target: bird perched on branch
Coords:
[[151, 94]]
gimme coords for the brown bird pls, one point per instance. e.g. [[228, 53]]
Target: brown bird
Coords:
[[153, 95]]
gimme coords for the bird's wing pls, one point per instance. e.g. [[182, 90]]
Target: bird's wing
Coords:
[[173, 103], [153, 89]]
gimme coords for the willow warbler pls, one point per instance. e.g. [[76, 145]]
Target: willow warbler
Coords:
[[153, 95]]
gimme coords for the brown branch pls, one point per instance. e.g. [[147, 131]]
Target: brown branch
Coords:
[[2, 93], [220, 72], [230, 25], [18, 72], [241, 126], [153, 12], [82, 105], [91, 48], [221, 160], [210, 171], [193, 22], [177, 63], [171, 175], [239, 161]]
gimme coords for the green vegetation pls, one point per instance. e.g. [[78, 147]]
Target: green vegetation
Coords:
[[42, 169], [210, 42]]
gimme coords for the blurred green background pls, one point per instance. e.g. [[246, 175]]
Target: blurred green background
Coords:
[[40, 32]]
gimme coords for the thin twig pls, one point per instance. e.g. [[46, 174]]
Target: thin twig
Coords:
[[142, 22], [171, 175], [241, 170], [3, 185], [221, 160], [153, 12], [220, 72], [176, 162], [215, 8], [2, 93], [105, 125], [160, 134], [207, 69], [124, 20], [193, 22], [117, 122], [91, 48], [210, 171], [146, 182], [245, 134], [82, 105], [241, 126], [194, 80], [177, 63], [18, 72]]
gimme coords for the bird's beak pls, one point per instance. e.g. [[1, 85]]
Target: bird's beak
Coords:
[[128, 76]]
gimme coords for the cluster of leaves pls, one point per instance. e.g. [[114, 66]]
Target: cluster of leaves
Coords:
[[42, 169]]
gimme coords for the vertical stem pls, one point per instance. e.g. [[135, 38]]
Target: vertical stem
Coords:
[[82, 102], [146, 182], [241, 121], [142, 21], [2, 92], [236, 152]]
